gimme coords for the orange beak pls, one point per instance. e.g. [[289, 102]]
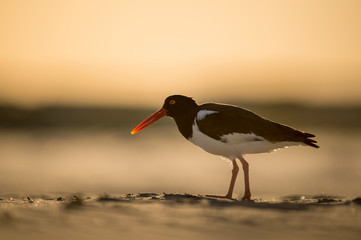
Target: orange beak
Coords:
[[151, 119]]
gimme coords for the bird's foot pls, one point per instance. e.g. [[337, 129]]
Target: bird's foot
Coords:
[[218, 196], [246, 196]]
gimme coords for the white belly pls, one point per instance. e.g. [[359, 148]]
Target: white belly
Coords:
[[235, 144]]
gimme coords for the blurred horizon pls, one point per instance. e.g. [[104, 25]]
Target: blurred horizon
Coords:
[[334, 118], [136, 53]]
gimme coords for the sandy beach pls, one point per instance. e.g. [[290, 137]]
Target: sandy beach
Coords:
[[177, 216]]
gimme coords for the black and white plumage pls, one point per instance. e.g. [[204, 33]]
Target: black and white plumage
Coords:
[[228, 131]]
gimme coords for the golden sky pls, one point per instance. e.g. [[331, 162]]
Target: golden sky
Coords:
[[138, 52]]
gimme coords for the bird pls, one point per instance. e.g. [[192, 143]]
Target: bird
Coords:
[[228, 131]]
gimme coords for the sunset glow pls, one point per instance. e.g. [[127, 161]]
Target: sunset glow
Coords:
[[135, 53]]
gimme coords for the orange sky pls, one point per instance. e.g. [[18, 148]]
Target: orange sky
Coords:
[[138, 52]]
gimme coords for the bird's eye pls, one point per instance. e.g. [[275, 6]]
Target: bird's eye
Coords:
[[171, 102]]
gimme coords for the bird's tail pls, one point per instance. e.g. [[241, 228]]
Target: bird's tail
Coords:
[[309, 141]]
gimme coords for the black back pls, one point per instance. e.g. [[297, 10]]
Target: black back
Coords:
[[231, 119]]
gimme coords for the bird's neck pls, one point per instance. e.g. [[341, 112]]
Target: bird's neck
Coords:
[[185, 121]]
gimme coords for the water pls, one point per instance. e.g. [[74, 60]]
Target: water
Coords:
[[161, 160]]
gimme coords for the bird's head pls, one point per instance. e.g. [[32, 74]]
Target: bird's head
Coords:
[[178, 105], [174, 106]]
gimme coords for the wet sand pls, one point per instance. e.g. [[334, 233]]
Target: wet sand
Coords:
[[177, 216]]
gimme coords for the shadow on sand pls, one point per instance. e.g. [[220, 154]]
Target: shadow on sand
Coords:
[[292, 202]]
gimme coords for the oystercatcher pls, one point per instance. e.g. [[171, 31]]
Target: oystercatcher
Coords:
[[228, 131]]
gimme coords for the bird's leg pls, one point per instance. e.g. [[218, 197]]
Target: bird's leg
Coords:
[[247, 191], [235, 171]]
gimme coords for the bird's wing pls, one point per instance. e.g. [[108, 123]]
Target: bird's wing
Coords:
[[227, 119]]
